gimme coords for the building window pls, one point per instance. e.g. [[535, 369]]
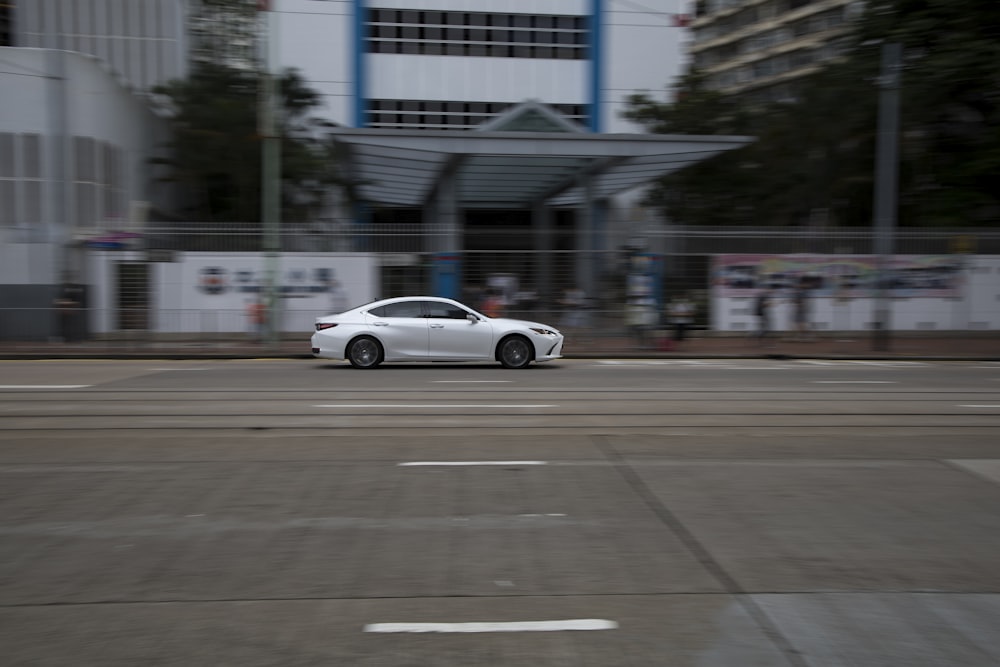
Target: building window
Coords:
[[449, 115], [477, 34]]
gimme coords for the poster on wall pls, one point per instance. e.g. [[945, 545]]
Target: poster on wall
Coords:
[[306, 285], [845, 276]]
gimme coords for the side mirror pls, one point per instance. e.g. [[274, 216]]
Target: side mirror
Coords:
[[471, 317]]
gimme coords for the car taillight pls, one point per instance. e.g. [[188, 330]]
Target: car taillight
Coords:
[[324, 325]]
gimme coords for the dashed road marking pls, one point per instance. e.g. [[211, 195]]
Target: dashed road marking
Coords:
[[44, 386], [470, 381], [854, 382], [504, 626], [437, 405], [471, 463]]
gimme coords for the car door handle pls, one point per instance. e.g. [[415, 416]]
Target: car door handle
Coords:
[[381, 324], [437, 326]]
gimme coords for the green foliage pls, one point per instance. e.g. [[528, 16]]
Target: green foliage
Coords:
[[817, 154], [216, 150]]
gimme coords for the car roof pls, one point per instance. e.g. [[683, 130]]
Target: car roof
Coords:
[[395, 299]]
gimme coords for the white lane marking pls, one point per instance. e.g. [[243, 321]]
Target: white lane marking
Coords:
[[44, 386], [471, 463], [854, 382], [176, 369], [499, 626], [437, 405], [470, 381], [979, 406], [654, 362], [857, 362]]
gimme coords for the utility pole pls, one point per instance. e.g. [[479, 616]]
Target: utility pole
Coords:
[[270, 205], [886, 188]]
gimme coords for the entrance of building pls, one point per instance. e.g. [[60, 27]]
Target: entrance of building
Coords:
[[132, 281]]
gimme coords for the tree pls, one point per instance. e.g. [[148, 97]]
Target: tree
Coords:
[[215, 147], [817, 153]]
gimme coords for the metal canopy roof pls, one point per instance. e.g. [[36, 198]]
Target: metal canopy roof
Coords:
[[494, 169]]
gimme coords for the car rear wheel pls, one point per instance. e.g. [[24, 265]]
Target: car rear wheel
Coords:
[[515, 352], [364, 352]]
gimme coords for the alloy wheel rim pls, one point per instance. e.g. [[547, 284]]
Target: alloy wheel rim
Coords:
[[515, 352], [365, 352]]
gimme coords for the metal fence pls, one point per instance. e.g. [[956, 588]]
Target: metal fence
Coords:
[[540, 267], [410, 237]]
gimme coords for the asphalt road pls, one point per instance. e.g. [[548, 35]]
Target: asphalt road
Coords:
[[584, 512]]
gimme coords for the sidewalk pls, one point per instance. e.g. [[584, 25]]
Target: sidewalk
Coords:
[[830, 345]]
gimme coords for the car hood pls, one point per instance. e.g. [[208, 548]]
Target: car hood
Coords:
[[508, 322]]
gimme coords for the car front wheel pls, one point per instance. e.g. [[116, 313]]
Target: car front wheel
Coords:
[[364, 352], [515, 352]]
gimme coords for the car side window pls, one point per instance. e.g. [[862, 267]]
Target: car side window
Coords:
[[402, 309], [444, 310]]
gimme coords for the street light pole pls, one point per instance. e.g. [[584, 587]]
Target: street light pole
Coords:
[[270, 214], [886, 188]]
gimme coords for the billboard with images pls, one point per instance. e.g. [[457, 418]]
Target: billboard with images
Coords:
[[847, 276], [927, 292]]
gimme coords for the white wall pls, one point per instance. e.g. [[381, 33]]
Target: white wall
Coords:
[[210, 292], [574, 7], [492, 79], [28, 263], [97, 106], [146, 54]]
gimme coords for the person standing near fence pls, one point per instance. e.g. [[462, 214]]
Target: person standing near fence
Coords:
[[493, 303], [572, 304], [800, 311], [257, 316], [681, 315], [762, 311], [70, 307], [640, 319]]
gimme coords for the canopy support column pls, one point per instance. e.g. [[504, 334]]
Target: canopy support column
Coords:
[[541, 224], [586, 265], [445, 239]]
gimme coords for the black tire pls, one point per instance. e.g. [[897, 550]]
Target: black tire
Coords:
[[515, 352], [365, 352]]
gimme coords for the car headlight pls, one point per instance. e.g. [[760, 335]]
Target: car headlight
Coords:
[[544, 332]]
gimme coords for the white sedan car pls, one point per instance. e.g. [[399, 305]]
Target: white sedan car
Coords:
[[429, 328]]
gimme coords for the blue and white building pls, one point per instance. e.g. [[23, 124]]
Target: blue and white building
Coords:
[[456, 64], [454, 113]]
